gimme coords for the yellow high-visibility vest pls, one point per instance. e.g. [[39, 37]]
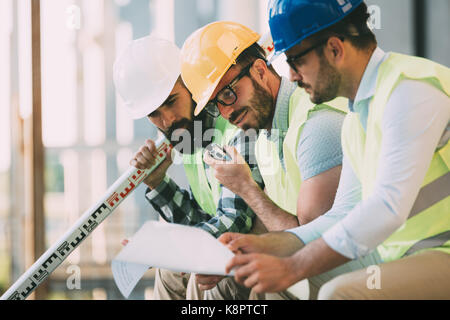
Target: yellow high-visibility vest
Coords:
[[428, 225], [283, 185], [205, 187]]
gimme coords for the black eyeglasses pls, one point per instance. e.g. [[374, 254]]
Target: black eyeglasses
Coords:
[[291, 61], [227, 96]]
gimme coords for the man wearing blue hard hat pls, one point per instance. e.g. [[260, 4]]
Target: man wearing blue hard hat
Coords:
[[396, 153]]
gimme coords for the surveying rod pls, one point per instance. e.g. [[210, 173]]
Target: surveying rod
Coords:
[[84, 226]]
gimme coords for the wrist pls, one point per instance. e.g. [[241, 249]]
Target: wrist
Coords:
[[295, 269], [248, 190], [153, 184]]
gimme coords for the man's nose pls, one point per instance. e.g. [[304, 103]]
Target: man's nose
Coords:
[[168, 119], [294, 76], [225, 111]]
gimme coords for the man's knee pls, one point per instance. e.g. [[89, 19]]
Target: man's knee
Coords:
[[227, 289], [171, 276], [339, 288], [170, 285]]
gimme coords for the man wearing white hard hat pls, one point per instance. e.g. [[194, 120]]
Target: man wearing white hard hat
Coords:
[[147, 77]]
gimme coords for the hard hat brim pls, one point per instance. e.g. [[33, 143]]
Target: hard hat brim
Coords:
[[274, 57], [145, 73], [143, 108], [207, 96]]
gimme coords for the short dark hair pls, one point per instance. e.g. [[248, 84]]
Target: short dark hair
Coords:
[[353, 28], [252, 53]]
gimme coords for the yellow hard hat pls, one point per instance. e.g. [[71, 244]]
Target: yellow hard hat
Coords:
[[208, 54]]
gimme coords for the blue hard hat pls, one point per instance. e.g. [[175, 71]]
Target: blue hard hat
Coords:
[[292, 21]]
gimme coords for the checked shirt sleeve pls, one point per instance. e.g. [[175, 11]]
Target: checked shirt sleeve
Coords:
[[177, 205]]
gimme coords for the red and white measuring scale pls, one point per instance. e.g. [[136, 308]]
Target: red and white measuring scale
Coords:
[[83, 227]]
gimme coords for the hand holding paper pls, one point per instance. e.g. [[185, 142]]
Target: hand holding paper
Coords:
[[170, 246]]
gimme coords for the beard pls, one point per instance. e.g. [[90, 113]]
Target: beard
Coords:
[[327, 84], [263, 106], [187, 135]]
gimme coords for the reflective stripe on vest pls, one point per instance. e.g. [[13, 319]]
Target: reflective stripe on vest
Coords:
[[431, 194], [205, 187], [434, 242], [428, 196], [428, 223], [283, 186]]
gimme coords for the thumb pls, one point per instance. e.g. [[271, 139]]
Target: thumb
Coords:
[[164, 165], [228, 237], [234, 154], [243, 244]]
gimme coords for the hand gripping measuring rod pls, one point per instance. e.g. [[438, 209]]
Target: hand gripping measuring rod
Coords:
[[90, 219]]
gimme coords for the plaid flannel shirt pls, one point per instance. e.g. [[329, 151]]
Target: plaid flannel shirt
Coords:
[[177, 205]]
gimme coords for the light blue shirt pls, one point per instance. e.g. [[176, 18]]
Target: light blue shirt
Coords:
[[413, 125]]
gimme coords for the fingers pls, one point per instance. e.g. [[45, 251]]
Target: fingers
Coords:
[[243, 243], [210, 161], [227, 237], [145, 157], [238, 242], [239, 260], [164, 165], [249, 271], [234, 154], [252, 280], [245, 272], [207, 282]]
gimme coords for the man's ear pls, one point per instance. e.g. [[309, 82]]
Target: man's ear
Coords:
[[260, 70], [336, 48]]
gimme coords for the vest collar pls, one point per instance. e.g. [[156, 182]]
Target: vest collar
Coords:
[[281, 115], [368, 82]]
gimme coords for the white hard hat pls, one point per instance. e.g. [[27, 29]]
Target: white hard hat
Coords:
[[145, 74]]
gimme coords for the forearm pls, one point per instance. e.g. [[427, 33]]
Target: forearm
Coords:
[[273, 217], [314, 259], [174, 204], [348, 194], [239, 221], [282, 244]]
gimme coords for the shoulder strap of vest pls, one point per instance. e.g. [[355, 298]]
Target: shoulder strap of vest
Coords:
[[300, 106], [227, 130], [444, 152], [198, 181], [416, 68], [398, 66]]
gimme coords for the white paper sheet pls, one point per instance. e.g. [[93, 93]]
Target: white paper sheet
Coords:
[[170, 246]]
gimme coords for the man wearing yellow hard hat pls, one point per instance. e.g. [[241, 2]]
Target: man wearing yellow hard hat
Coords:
[[147, 77], [298, 149], [396, 154]]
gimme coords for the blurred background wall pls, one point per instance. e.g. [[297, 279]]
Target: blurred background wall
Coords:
[[87, 136]]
